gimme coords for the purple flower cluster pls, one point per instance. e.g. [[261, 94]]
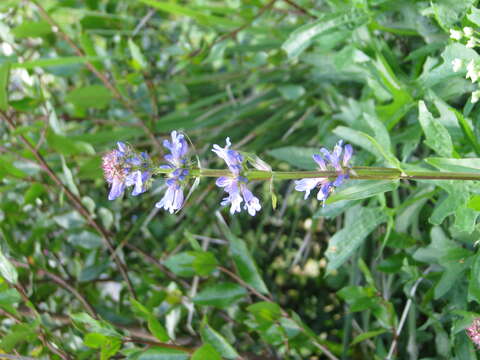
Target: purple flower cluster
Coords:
[[330, 161], [123, 167], [473, 332], [235, 184], [173, 198]]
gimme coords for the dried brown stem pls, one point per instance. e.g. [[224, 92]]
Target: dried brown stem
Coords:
[[41, 334], [299, 8], [101, 76], [57, 279], [76, 202], [160, 344]]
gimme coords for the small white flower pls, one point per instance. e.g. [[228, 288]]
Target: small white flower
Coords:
[[456, 34], [472, 72], [457, 64], [475, 96], [471, 43], [468, 31]]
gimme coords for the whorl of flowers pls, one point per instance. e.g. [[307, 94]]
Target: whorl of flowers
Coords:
[[330, 161], [124, 167], [173, 198], [235, 184], [473, 332]]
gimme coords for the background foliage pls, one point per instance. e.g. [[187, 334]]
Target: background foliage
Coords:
[[385, 270]]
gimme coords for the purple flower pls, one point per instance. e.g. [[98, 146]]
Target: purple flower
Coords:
[[123, 167], [178, 149], [330, 161], [173, 198], [232, 158], [235, 185], [473, 332]]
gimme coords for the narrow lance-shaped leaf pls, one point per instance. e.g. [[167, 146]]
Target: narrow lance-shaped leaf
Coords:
[[7, 270], [4, 77], [346, 241], [247, 269]]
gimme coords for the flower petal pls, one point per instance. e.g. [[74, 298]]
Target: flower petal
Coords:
[[118, 186]]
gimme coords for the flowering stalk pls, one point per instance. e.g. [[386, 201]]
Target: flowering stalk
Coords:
[[124, 167], [355, 173]]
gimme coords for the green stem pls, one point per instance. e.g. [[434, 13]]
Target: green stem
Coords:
[[357, 173]]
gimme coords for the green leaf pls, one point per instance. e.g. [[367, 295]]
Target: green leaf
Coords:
[[474, 16], [181, 264], [206, 352], [92, 272], [266, 311], [300, 39], [191, 263], [9, 298], [32, 29], [157, 329], [19, 333], [33, 192], [157, 353], [8, 168], [361, 139], [439, 247], [449, 12], [93, 96], [220, 295], [474, 281], [110, 347], [218, 342], [474, 202], [176, 9], [361, 189], [4, 79], [66, 146], [291, 92], [7, 270], [297, 156], [96, 326], [471, 165], [384, 152], [444, 71], [94, 340], [138, 58], [346, 241], [140, 309], [53, 62], [437, 136], [247, 269], [204, 263], [368, 335]]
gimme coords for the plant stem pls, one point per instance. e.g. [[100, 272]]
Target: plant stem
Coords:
[[356, 173]]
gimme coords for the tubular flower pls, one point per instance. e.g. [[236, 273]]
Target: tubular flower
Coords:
[[330, 161], [235, 184], [173, 198], [473, 332], [123, 167]]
